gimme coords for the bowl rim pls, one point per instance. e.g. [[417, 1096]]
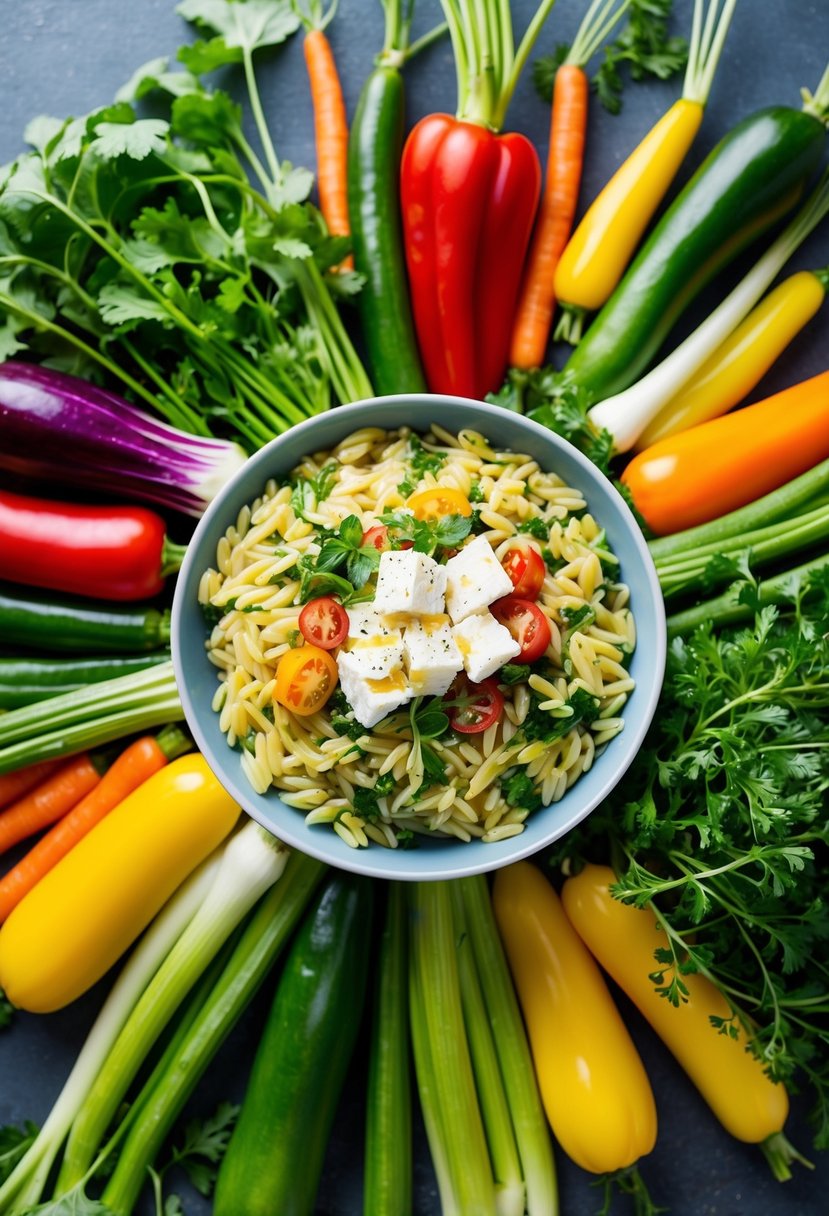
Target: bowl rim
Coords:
[[376, 861]]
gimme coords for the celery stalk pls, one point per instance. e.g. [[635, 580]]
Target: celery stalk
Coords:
[[434, 960], [510, 1039], [509, 1182], [387, 1176]]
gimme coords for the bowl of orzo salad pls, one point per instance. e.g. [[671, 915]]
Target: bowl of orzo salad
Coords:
[[418, 637]]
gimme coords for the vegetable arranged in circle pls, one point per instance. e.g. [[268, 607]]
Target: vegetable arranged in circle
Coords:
[[305, 679], [527, 624]]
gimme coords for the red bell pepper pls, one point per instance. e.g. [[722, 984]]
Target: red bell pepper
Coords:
[[469, 197], [102, 552]]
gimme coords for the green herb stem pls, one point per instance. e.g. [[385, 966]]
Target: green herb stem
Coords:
[[707, 41]]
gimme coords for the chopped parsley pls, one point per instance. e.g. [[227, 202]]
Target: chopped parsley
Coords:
[[476, 493], [428, 535], [540, 724], [519, 791], [535, 526], [514, 673], [365, 799], [578, 618]]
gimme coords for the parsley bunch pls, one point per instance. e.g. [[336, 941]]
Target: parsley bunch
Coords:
[[721, 822], [169, 258]]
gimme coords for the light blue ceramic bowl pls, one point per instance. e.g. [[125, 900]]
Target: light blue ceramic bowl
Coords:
[[434, 858]]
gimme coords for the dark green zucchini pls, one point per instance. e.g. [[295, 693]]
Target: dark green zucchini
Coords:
[[752, 178], [274, 1160], [79, 626], [375, 144]]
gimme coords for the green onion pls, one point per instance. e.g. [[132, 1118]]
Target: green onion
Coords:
[[24, 1186], [251, 862], [453, 1118], [165, 1094], [387, 1174], [510, 1038]]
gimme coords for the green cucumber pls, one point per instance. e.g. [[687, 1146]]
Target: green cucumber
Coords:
[[274, 1160], [375, 143], [751, 179]]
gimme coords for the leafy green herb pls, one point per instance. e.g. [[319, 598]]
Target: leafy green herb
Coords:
[[406, 838], [212, 615], [644, 46], [554, 400], [428, 535], [365, 800], [205, 1143], [427, 721], [519, 791], [74, 1202], [14, 1143], [346, 546], [294, 638], [514, 673], [535, 526], [476, 493], [309, 492], [338, 712], [578, 618], [720, 826], [543, 724], [421, 460]]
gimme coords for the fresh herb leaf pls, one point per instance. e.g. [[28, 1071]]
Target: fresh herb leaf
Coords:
[[514, 673], [434, 769], [240, 28], [556, 401], [427, 535], [535, 526], [204, 1145], [578, 618], [519, 791], [74, 1202], [421, 460], [542, 724], [406, 838], [545, 70], [14, 1143], [476, 493]]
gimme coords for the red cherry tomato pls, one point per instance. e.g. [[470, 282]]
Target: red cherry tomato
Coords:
[[527, 624], [324, 622], [479, 705], [378, 535], [526, 569]]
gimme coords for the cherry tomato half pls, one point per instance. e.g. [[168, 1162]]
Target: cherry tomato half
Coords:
[[479, 705], [439, 501], [526, 569], [527, 624], [305, 679], [378, 535], [324, 622]]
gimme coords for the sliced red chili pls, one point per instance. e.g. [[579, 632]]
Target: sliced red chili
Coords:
[[324, 622], [472, 708], [527, 624]]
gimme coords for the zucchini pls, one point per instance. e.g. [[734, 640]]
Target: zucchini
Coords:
[[274, 1159], [375, 144], [753, 177], [79, 626], [23, 681]]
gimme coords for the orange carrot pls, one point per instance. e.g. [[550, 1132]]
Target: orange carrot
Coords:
[[568, 123], [15, 785], [48, 801], [132, 768], [330, 133]]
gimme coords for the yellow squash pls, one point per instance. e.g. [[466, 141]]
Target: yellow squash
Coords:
[[598, 252], [623, 939], [737, 366], [593, 1085], [82, 915]]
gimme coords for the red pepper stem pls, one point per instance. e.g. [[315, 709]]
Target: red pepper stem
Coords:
[[172, 555]]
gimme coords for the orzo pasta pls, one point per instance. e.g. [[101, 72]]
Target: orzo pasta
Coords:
[[418, 634]]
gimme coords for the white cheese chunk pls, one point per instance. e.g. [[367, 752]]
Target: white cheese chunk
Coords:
[[364, 621], [409, 582], [485, 645], [375, 645], [371, 699], [431, 655], [474, 580]]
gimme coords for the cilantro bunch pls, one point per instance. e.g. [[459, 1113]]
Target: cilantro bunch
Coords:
[[169, 258], [721, 822]]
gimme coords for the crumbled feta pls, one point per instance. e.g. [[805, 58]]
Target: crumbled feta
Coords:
[[371, 699], [431, 654], [408, 581], [484, 644], [474, 580]]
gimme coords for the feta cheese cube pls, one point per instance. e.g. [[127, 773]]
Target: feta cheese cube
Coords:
[[371, 699], [409, 582], [376, 646], [485, 645], [431, 655], [474, 580], [364, 621]]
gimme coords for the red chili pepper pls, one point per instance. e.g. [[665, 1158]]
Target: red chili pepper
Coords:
[[110, 553], [469, 197]]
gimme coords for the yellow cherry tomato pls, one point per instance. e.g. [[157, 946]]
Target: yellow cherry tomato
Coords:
[[439, 501], [305, 679]]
